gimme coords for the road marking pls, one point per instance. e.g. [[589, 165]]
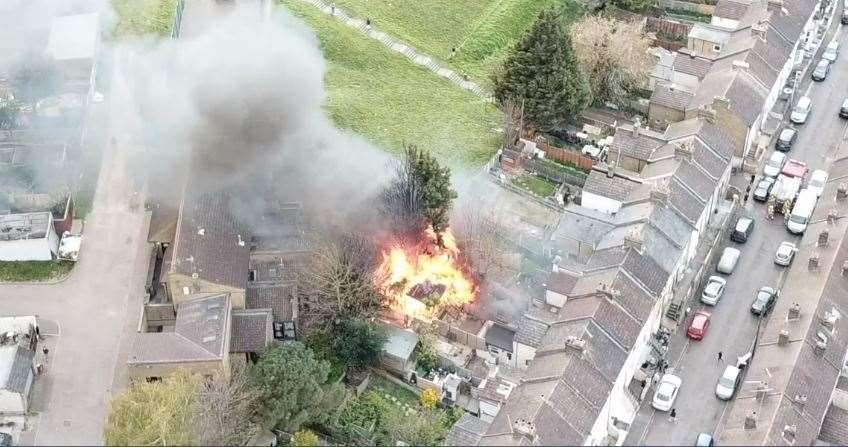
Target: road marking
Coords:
[[647, 427]]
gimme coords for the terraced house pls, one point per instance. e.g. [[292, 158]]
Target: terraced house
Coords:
[[626, 252]]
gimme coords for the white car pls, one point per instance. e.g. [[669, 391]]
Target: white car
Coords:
[[728, 382], [714, 290], [774, 164], [817, 181], [785, 254], [666, 392], [728, 261]]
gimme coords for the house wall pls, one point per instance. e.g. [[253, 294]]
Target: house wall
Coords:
[[488, 410], [724, 22], [840, 399], [12, 403], [495, 354], [144, 371], [555, 298], [26, 250], [523, 354], [176, 283], [686, 80], [659, 115], [600, 203], [703, 47], [395, 364]]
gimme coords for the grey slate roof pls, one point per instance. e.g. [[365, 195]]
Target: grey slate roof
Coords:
[[207, 240], [730, 9], [639, 146], [633, 297], [671, 97], [688, 204], [671, 224], [692, 65], [277, 297], [748, 98], [530, 331], [252, 330], [661, 249], [20, 369], [718, 139], [615, 188], [708, 160], [834, 429], [466, 431], [561, 282], [618, 324], [200, 333], [500, 336], [646, 271], [695, 180]]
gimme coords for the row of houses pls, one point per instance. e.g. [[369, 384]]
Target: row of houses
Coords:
[[622, 253]]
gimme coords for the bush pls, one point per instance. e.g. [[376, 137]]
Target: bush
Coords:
[[429, 398], [304, 438]]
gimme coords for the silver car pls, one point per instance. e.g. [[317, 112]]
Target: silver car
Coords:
[[714, 290], [728, 261], [785, 253]]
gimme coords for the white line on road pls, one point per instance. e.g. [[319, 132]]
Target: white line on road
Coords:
[[647, 427]]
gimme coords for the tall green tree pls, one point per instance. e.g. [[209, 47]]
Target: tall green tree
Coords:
[[358, 343], [543, 72], [291, 385], [421, 192]]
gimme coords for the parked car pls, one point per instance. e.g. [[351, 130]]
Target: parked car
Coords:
[[802, 211], [699, 325], [844, 19], [817, 181], [666, 392], [831, 52], [786, 139], [785, 253], [764, 301], [794, 168], [802, 110], [714, 290], [728, 261], [774, 164], [763, 189], [843, 110], [704, 440], [728, 382], [821, 71], [743, 229]]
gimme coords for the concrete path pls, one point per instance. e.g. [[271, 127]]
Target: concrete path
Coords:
[[400, 47]]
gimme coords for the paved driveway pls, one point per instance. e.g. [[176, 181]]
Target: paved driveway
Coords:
[[733, 327]]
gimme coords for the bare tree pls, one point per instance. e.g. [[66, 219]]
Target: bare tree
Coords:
[[486, 250], [337, 281], [402, 202], [227, 409], [614, 54]]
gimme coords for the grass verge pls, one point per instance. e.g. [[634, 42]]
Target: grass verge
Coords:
[[379, 94], [142, 17], [536, 185], [481, 30], [33, 271]]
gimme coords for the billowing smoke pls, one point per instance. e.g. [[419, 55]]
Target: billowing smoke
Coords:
[[241, 99]]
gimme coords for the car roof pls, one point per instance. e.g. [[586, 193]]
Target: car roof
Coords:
[[823, 63], [845, 102], [731, 251], [730, 372], [819, 173], [789, 131], [777, 155]]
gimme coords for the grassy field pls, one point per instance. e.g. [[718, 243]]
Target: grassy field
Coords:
[[141, 17], [481, 30], [33, 271], [379, 94]]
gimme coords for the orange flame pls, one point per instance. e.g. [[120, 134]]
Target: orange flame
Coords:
[[420, 282]]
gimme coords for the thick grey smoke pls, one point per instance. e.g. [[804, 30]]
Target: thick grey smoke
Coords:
[[245, 96]]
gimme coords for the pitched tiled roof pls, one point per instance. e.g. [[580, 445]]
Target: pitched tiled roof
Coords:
[[207, 240], [695, 180], [200, 333], [834, 429], [708, 160], [747, 98], [530, 331], [615, 188], [646, 271], [466, 431], [671, 97], [20, 369], [718, 139], [730, 9], [760, 69], [633, 297], [618, 324], [637, 146], [561, 282], [252, 330], [277, 297], [688, 204], [692, 65]]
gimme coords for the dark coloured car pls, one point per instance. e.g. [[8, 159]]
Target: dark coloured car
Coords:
[[786, 138], [763, 189], [743, 229], [844, 18], [764, 302]]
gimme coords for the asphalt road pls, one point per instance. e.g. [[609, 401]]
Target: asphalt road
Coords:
[[733, 327]]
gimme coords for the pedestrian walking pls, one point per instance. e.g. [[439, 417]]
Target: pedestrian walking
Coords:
[[45, 350], [672, 416], [333, 9], [720, 355], [368, 23], [453, 52]]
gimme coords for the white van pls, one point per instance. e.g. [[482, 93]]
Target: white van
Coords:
[[801, 110], [831, 52], [802, 211]]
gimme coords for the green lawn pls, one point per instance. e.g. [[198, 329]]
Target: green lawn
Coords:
[[379, 94], [536, 185], [480, 30], [32, 271], [140, 17]]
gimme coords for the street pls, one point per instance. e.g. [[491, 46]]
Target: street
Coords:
[[733, 327]]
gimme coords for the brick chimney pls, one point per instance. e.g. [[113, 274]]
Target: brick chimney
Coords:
[[659, 194], [684, 150], [634, 240], [707, 113]]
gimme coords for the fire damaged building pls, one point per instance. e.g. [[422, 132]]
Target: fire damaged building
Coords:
[[218, 290]]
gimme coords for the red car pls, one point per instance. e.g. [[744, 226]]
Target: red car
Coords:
[[698, 327], [795, 168]]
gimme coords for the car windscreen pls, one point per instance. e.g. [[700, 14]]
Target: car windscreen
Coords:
[[800, 220], [726, 382], [786, 135]]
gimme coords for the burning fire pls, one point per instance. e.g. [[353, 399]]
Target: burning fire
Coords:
[[421, 280]]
